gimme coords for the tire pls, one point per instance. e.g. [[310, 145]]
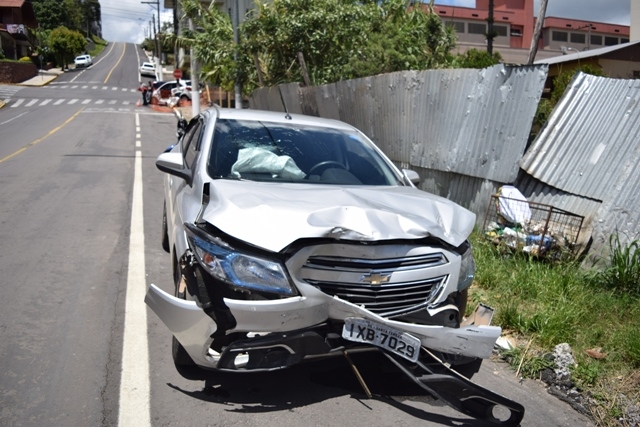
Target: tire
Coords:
[[179, 354], [165, 230]]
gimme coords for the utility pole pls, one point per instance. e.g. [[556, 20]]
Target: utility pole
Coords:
[[537, 32], [236, 40], [157, 42], [490, 34], [195, 82]]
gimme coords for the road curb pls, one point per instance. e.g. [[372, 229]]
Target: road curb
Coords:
[[2, 104]]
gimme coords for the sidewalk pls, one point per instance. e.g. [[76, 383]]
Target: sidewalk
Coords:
[[44, 77]]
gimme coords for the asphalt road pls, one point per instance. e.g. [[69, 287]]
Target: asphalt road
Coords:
[[68, 171]]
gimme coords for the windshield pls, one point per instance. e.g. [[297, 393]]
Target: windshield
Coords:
[[262, 151]]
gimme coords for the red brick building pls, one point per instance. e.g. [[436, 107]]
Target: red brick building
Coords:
[[514, 22]]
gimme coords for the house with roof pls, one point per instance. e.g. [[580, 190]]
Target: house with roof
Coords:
[[16, 18]]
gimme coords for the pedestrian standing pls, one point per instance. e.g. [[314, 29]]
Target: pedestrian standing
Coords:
[[144, 89]]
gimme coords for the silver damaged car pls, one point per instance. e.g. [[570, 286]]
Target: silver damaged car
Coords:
[[295, 238]]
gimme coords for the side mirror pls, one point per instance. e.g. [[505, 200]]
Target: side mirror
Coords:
[[172, 164], [411, 176]]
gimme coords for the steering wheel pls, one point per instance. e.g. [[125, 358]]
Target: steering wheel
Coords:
[[325, 164]]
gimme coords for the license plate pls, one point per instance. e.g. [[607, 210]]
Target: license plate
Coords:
[[390, 339]]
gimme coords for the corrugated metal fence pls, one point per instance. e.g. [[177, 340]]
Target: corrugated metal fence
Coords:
[[465, 132]]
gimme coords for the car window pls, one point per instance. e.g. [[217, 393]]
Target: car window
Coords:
[[255, 150]]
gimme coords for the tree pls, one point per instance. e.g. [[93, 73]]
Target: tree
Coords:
[[54, 13], [65, 44], [474, 58], [337, 39]]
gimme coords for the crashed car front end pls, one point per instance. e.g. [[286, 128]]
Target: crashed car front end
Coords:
[[259, 310]]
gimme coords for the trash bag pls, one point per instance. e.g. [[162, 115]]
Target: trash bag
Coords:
[[513, 206]]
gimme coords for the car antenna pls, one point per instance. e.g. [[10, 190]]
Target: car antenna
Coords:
[[284, 104]]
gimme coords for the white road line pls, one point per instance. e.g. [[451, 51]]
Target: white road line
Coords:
[[124, 89], [18, 102], [125, 102], [94, 87], [99, 101], [45, 102], [13, 118], [85, 86], [104, 88], [134, 379], [114, 88], [74, 87], [86, 101], [59, 101], [113, 101], [73, 101], [30, 103]]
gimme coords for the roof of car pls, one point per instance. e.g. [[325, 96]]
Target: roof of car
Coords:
[[149, 64], [279, 117]]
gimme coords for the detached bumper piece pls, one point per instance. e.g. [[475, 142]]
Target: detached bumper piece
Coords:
[[460, 393]]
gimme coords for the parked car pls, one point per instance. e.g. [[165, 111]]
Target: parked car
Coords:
[[183, 92], [166, 90], [148, 69], [83, 61], [289, 234]]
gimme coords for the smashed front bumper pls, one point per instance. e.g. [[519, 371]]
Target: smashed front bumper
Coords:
[[283, 332]]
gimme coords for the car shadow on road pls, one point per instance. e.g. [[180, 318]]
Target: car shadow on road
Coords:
[[281, 390]]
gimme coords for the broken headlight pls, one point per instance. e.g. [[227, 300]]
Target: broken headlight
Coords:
[[467, 269], [238, 269]]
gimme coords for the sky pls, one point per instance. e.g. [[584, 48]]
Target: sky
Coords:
[[606, 11], [129, 20]]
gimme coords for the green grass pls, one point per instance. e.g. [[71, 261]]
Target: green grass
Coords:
[[551, 303], [100, 45]]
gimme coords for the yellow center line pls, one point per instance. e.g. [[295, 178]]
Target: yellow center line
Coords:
[[31, 144], [114, 67]]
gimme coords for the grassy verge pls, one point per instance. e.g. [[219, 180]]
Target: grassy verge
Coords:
[[542, 304], [99, 46]]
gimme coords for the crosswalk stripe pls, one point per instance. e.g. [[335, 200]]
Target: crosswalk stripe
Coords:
[[73, 101], [112, 102], [74, 87], [64, 87], [104, 88], [30, 103], [86, 101], [99, 101], [94, 87], [18, 102], [84, 87], [114, 88], [59, 101], [45, 102]]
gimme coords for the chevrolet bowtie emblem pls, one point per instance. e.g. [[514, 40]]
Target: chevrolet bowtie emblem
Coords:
[[376, 278]]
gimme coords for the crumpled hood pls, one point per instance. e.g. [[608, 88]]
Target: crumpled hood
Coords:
[[273, 215]]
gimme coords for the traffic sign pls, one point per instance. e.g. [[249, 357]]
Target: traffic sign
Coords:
[[177, 73]]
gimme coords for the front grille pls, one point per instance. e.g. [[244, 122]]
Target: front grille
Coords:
[[388, 287]]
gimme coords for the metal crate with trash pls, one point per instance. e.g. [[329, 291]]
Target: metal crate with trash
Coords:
[[535, 228]]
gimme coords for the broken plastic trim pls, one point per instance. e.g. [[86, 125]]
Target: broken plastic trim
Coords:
[[458, 392]]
